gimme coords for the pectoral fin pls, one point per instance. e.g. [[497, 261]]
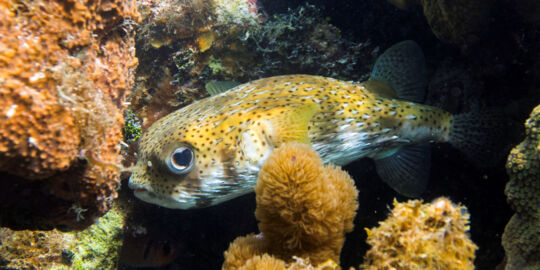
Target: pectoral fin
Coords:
[[292, 124], [285, 124]]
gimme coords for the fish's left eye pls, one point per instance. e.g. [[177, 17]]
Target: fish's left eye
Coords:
[[181, 160]]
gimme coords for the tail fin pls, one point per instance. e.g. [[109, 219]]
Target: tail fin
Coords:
[[403, 68], [479, 136]]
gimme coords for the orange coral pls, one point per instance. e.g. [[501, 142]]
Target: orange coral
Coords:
[[302, 206], [248, 252], [30, 249], [66, 67], [264, 262], [304, 209], [242, 249], [422, 236]]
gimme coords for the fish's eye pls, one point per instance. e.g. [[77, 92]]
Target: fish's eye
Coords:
[[181, 160]]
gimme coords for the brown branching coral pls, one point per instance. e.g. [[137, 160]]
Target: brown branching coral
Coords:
[[65, 70], [30, 249], [304, 209], [421, 236], [244, 248], [246, 253]]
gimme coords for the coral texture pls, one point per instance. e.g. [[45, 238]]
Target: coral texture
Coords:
[[521, 238], [421, 236], [65, 70], [176, 41], [31, 249], [181, 50], [98, 246], [304, 209], [94, 248], [244, 248], [246, 253]]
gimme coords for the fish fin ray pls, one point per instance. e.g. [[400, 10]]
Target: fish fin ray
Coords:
[[293, 125], [217, 87], [478, 135], [406, 171], [403, 68]]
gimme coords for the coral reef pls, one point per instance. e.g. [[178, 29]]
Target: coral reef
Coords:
[[180, 50], [65, 70], [302, 41], [175, 44], [96, 247], [304, 209], [32, 249], [521, 238], [453, 21], [421, 236]]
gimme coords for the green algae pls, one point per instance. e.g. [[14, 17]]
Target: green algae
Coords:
[[132, 128], [215, 65], [521, 237], [98, 246]]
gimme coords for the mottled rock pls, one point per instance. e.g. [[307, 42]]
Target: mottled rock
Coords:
[[66, 68]]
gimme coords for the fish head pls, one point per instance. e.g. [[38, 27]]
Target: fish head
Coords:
[[212, 150], [187, 161]]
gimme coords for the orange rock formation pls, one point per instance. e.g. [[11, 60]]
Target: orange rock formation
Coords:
[[66, 67]]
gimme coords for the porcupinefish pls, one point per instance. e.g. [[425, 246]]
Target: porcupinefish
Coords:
[[212, 150]]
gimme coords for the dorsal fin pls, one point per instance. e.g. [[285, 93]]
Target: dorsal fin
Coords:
[[380, 88], [403, 68], [217, 87]]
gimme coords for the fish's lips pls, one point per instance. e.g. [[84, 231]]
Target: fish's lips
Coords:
[[149, 196]]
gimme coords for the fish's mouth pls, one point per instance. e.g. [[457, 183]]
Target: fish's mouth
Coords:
[[139, 191], [149, 196]]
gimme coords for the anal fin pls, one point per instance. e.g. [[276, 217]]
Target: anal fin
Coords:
[[406, 171]]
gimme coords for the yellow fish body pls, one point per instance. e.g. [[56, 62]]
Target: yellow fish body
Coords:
[[211, 151]]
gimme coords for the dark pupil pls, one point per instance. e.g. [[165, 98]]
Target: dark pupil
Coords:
[[182, 158]]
